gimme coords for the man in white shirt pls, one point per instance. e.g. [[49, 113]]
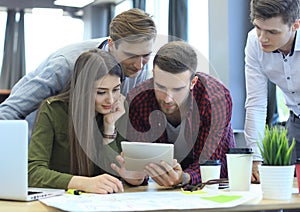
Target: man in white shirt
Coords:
[[131, 39], [272, 53]]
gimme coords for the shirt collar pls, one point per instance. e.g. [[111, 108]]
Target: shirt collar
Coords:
[[104, 45], [297, 42]]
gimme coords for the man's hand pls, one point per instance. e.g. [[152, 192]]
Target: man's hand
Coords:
[[255, 173], [131, 177], [164, 174]]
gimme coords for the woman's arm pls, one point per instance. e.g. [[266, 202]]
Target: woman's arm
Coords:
[[49, 154], [102, 184]]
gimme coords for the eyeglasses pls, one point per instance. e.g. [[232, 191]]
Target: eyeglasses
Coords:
[[202, 185]]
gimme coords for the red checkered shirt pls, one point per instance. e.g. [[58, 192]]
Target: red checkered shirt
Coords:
[[207, 130]]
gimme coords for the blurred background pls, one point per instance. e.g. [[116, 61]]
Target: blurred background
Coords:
[[30, 30]]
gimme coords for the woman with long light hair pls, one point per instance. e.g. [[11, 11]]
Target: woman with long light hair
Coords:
[[74, 140]]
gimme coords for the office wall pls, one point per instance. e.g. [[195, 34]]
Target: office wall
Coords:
[[229, 24], [96, 20]]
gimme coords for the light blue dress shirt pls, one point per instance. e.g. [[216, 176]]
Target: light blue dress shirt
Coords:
[[48, 79]]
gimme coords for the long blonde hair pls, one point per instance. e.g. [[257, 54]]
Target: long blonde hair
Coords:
[[84, 135]]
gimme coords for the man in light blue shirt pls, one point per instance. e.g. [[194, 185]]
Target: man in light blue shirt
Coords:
[[131, 44], [272, 53]]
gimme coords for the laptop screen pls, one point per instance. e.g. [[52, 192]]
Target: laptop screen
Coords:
[[14, 162]]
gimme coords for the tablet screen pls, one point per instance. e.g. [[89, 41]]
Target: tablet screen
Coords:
[[139, 154]]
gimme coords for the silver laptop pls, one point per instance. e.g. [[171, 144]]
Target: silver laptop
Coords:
[[14, 164]]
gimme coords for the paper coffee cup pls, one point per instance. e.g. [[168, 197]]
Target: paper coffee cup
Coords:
[[210, 170], [239, 166]]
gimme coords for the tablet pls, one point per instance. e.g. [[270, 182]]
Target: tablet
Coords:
[[139, 154]]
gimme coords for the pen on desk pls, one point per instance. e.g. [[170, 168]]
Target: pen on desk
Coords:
[[74, 191]]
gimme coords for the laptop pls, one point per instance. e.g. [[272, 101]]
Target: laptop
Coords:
[[138, 154], [14, 164]]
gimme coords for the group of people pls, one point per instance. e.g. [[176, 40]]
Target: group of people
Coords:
[[86, 98]]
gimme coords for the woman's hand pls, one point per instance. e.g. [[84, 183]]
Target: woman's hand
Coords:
[[116, 112], [109, 120], [101, 184]]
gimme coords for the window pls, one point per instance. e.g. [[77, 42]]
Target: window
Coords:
[[160, 11], [198, 25], [123, 6], [47, 30]]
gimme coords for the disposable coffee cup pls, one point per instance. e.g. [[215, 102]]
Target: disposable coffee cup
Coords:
[[239, 166], [297, 163], [210, 170]]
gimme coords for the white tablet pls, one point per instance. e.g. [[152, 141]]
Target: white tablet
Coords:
[[139, 154]]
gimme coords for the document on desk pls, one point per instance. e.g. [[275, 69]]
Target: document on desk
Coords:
[[143, 201]]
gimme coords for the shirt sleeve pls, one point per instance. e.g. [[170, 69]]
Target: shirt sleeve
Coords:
[[48, 154], [257, 95], [215, 135], [47, 80]]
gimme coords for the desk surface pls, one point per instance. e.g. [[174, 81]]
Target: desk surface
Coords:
[[293, 203], [5, 91], [4, 94]]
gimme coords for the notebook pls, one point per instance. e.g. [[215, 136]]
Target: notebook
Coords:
[[14, 164], [139, 154]]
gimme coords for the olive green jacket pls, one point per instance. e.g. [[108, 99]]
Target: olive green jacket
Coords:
[[49, 148]]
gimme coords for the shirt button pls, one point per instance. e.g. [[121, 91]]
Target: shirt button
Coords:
[[288, 78], [285, 60], [293, 92], [299, 104]]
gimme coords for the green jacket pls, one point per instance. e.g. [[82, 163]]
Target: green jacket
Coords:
[[49, 148]]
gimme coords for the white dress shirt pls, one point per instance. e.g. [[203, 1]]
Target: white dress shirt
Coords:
[[281, 70]]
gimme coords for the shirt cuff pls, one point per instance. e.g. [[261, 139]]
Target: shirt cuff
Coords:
[[256, 152]]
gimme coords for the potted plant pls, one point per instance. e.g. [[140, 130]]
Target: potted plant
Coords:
[[276, 172]]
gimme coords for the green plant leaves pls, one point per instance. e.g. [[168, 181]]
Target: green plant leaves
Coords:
[[275, 147]]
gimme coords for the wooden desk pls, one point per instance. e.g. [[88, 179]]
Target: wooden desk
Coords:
[[294, 203]]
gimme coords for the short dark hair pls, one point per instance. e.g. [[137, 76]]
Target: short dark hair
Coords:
[[176, 57], [265, 9]]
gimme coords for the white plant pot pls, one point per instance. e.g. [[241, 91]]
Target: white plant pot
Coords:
[[276, 181]]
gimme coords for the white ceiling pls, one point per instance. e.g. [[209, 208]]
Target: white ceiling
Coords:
[[28, 4]]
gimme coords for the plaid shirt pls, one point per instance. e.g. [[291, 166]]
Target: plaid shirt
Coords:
[[207, 129]]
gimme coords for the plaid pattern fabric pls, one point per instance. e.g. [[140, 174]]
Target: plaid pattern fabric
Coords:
[[207, 131]]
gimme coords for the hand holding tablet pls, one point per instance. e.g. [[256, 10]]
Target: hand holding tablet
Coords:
[[139, 154]]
